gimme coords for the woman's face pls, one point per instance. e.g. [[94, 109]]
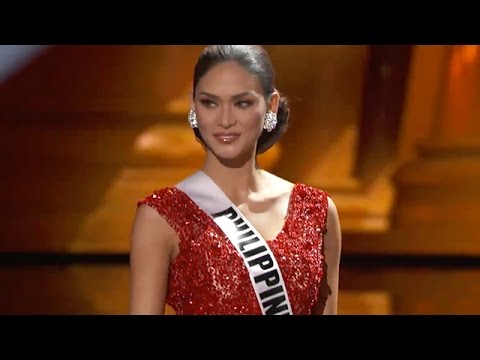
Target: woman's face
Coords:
[[230, 107]]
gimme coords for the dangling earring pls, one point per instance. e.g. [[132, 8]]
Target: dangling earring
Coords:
[[270, 121], [192, 119]]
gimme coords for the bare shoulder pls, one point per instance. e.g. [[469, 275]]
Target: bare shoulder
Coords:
[[151, 231], [148, 216], [333, 237], [333, 220]]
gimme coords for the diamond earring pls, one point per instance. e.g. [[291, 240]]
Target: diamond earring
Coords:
[[192, 119], [270, 121]]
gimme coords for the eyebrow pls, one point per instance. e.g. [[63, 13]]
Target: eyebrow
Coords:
[[233, 97]]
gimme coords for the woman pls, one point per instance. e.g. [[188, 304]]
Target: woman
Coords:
[[233, 238]]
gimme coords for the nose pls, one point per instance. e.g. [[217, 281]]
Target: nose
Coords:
[[227, 118]]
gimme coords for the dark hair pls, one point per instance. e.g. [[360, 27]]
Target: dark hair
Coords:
[[256, 61]]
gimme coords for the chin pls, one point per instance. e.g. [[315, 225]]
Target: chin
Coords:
[[231, 156], [228, 154]]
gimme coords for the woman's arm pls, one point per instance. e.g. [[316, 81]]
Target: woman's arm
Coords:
[[328, 299], [151, 248]]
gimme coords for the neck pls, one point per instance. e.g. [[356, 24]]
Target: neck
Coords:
[[238, 181]]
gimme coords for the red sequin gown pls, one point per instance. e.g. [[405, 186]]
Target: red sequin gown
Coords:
[[209, 277]]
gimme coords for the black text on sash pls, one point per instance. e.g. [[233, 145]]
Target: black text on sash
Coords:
[[273, 297]]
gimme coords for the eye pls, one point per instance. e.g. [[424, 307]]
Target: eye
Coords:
[[207, 103], [244, 104]]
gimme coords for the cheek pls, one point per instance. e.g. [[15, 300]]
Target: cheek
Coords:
[[205, 118], [251, 120]]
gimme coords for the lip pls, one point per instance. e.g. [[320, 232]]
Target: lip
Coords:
[[226, 138]]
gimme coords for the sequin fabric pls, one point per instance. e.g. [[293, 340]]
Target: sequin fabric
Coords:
[[208, 276]]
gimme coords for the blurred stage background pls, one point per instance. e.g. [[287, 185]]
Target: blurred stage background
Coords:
[[391, 132]]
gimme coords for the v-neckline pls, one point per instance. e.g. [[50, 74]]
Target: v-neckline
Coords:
[[219, 230]]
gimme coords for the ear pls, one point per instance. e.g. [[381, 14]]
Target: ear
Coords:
[[192, 102], [273, 102]]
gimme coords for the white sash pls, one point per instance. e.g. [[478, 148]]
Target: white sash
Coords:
[[262, 266]]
